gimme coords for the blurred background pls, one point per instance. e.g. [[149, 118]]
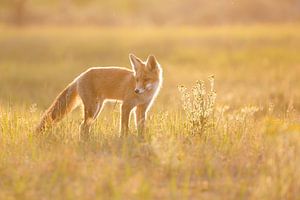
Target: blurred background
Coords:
[[154, 12], [251, 46]]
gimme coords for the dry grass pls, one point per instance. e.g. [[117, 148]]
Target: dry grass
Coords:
[[248, 149]]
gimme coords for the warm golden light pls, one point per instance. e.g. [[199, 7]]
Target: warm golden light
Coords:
[[225, 123]]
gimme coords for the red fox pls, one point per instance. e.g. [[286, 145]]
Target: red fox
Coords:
[[134, 88]]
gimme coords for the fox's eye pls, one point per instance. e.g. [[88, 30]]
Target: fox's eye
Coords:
[[137, 79]]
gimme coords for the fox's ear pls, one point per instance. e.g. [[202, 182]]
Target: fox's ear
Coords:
[[152, 63], [135, 62]]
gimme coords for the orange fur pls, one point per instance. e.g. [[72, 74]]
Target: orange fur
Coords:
[[135, 88]]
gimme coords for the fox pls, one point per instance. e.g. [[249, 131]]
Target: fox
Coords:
[[136, 88]]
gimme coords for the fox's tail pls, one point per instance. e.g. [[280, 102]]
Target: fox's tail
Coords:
[[63, 104]]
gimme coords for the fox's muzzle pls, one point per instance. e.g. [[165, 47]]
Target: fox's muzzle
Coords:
[[148, 87], [139, 90]]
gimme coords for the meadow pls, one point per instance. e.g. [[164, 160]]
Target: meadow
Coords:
[[249, 148]]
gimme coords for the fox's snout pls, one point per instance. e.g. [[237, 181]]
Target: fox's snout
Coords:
[[139, 90], [149, 86]]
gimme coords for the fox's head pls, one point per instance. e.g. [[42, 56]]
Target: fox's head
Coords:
[[147, 74]]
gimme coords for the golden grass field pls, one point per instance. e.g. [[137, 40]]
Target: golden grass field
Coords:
[[250, 150]]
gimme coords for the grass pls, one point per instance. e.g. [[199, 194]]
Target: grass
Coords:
[[249, 152]]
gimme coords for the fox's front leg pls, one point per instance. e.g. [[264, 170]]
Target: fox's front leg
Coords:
[[125, 114], [141, 114]]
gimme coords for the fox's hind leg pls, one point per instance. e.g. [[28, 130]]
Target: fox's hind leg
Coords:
[[91, 112]]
